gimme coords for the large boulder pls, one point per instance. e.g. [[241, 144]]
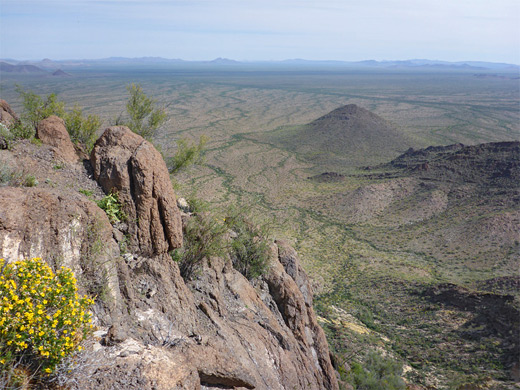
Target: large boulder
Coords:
[[126, 163], [7, 115], [52, 131], [64, 230]]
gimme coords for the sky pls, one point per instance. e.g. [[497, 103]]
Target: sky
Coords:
[[249, 30]]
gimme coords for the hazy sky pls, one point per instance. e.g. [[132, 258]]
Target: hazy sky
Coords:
[[453, 30]]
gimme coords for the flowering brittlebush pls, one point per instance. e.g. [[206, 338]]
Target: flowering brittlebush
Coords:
[[42, 317]]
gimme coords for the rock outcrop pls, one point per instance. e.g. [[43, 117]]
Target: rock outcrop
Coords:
[[64, 230], [124, 162], [154, 329], [51, 131], [7, 115]]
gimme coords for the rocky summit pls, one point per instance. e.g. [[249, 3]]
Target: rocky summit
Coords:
[[154, 329]]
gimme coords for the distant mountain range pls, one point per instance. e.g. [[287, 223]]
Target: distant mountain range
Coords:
[[425, 64], [28, 69]]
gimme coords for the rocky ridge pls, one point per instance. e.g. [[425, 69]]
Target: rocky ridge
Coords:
[[154, 329]]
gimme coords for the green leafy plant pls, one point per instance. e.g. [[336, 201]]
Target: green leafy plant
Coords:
[[82, 130], [36, 108], [112, 207], [250, 246], [144, 117], [87, 193], [203, 238], [187, 154], [30, 181], [43, 320]]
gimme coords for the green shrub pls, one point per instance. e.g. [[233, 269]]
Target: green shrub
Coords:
[[250, 247], [187, 154], [378, 372], [112, 207], [82, 130], [23, 130], [30, 181], [36, 108], [203, 238], [42, 319], [144, 117]]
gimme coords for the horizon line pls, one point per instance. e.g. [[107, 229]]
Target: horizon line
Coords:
[[258, 60]]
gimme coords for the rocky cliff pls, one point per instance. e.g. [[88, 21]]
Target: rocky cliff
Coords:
[[155, 330]]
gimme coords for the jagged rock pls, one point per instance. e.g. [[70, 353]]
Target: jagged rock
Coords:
[[215, 331], [7, 115], [61, 229], [291, 263], [123, 161], [292, 292], [52, 131]]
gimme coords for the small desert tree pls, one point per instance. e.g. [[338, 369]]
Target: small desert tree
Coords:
[[187, 154], [35, 108], [82, 130], [145, 117]]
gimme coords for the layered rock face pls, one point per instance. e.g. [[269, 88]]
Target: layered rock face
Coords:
[[124, 162], [154, 329]]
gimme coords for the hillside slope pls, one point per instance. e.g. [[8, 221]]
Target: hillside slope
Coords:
[[448, 218], [459, 204], [346, 136]]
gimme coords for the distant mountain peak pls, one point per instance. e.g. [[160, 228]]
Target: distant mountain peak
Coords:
[[61, 73]]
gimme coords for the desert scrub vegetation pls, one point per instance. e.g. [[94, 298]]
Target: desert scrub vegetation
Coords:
[[35, 108], [112, 207], [6, 137], [186, 154], [203, 239], [206, 234], [43, 320], [143, 117], [82, 130], [16, 178], [249, 249], [377, 372]]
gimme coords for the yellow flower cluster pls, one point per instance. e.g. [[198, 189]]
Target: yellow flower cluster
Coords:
[[42, 317]]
